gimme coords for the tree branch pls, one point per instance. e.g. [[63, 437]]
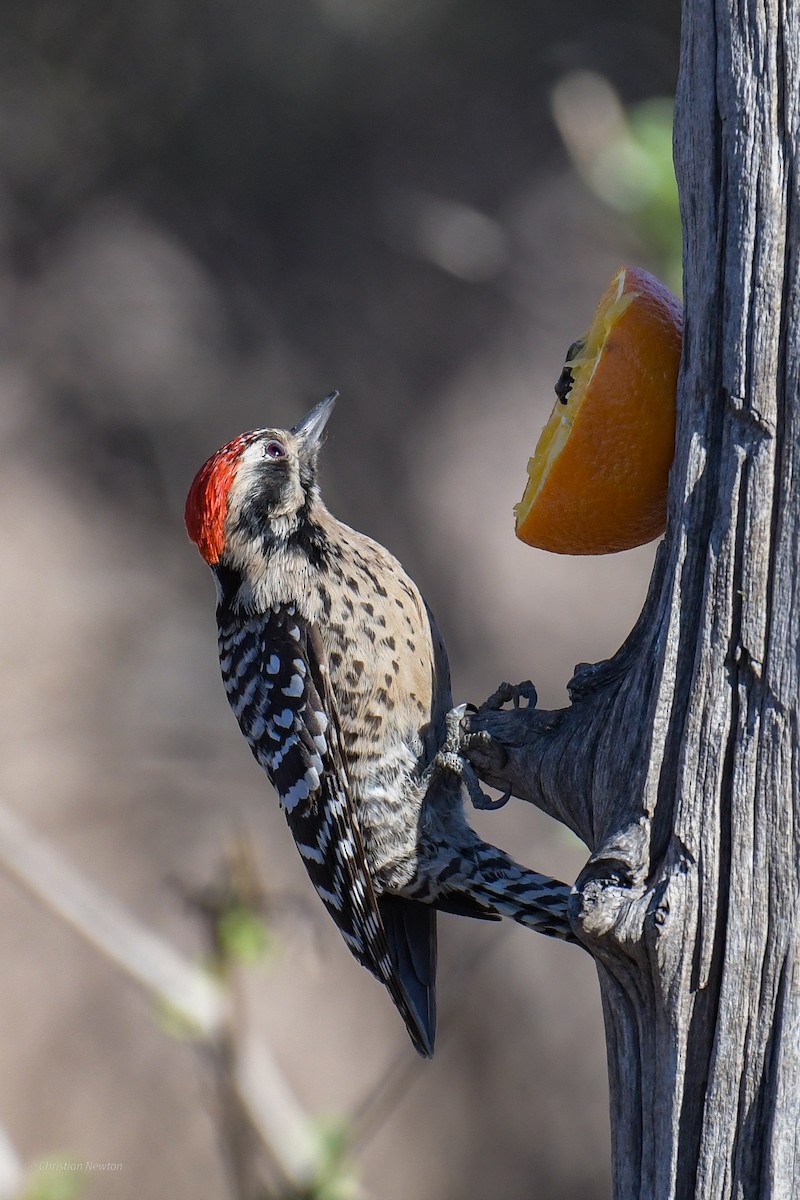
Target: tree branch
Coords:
[[261, 1119], [677, 760]]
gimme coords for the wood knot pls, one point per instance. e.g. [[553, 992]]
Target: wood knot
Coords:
[[609, 902]]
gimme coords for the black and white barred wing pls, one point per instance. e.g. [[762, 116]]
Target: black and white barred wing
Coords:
[[276, 679]]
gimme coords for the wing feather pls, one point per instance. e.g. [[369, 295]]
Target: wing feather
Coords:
[[276, 676]]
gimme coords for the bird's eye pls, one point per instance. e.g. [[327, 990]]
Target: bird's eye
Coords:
[[274, 450]]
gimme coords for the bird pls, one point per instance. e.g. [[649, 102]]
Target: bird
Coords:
[[338, 676]]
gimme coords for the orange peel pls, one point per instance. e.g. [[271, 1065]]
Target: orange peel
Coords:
[[597, 481]]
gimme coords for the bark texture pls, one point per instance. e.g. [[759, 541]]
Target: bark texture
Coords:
[[678, 760]]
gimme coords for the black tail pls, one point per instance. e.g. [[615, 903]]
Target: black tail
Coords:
[[411, 935], [497, 883]]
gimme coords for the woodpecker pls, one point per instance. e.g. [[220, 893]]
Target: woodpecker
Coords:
[[338, 677]]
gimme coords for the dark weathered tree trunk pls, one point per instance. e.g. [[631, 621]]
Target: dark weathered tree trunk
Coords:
[[679, 759]]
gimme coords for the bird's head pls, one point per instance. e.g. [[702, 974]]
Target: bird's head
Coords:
[[258, 487]]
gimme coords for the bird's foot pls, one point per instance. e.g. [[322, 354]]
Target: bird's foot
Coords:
[[451, 758], [511, 693]]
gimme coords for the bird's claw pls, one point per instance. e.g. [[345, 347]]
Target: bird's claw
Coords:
[[511, 693], [485, 803], [451, 758], [454, 733]]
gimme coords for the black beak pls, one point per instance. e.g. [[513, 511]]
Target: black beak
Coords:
[[312, 426]]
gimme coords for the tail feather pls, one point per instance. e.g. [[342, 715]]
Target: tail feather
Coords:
[[411, 937], [495, 881]]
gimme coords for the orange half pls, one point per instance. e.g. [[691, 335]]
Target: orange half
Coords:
[[598, 478]]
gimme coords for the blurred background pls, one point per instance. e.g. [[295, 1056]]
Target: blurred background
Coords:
[[211, 214]]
